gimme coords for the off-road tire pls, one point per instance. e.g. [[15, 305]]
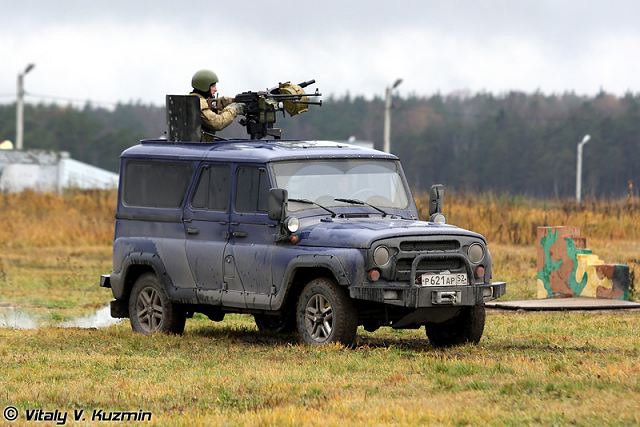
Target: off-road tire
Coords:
[[284, 324], [466, 327], [326, 314], [150, 309]]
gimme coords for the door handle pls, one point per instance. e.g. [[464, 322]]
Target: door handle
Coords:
[[239, 234], [193, 230]]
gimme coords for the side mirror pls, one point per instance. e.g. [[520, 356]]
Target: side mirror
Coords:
[[436, 202], [436, 199], [278, 198]]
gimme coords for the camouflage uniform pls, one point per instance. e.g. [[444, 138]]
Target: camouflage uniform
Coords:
[[212, 120]]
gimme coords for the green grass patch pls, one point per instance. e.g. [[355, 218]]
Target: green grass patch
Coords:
[[530, 368]]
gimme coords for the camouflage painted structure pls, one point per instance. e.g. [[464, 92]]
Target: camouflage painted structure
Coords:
[[567, 268]]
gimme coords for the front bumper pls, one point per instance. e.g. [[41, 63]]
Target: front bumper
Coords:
[[430, 296]]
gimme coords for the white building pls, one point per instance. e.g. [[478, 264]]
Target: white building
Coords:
[[50, 171]]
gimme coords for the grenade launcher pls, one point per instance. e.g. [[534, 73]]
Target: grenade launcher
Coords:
[[262, 107]]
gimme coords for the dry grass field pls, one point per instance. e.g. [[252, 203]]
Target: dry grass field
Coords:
[[578, 368]]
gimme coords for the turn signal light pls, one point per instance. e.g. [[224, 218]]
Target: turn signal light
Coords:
[[374, 275], [479, 272], [294, 238]]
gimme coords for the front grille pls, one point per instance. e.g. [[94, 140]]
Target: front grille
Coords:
[[425, 246], [437, 253]]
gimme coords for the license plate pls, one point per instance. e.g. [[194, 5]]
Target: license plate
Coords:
[[444, 279]]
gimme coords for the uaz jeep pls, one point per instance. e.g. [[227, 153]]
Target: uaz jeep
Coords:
[[317, 237]]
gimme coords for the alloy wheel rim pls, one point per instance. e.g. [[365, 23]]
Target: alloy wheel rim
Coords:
[[318, 318], [149, 309]]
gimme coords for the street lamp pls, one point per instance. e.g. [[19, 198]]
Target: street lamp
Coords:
[[387, 115], [20, 107], [585, 139]]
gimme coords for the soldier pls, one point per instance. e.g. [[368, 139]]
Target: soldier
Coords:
[[215, 113]]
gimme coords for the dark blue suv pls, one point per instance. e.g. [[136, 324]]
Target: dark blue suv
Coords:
[[314, 237]]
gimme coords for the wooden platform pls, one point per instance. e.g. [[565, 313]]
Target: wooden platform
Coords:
[[561, 304]]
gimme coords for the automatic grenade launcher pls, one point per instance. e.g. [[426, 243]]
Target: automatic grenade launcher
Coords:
[[262, 107]]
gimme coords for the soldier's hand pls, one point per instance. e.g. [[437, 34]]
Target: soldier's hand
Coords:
[[238, 107], [223, 101]]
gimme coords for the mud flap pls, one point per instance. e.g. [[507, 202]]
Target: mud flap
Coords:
[[119, 309]]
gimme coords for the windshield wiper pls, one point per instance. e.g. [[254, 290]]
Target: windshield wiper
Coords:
[[309, 202], [360, 202]]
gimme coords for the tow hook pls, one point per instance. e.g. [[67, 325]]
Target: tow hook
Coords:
[[446, 297]]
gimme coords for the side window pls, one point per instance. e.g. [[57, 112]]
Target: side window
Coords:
[[156, 184], [252, 189], [213, 191]]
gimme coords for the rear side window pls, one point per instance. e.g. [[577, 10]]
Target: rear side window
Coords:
[[252, 189], [213, 191], [155, 184]]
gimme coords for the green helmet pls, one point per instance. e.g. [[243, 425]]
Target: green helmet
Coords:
[[203, 79]]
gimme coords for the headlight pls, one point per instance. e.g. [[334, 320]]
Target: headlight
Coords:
[[381, 256], [292, 223], [476, 253]]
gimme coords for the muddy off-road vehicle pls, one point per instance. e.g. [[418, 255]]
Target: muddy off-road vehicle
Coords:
[[314, 237]]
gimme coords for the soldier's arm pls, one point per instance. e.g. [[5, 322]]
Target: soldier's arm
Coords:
[[217, 121], [223, 101]]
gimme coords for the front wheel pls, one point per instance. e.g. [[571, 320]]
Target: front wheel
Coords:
[[466, 327], [326, 314], [150, 309]]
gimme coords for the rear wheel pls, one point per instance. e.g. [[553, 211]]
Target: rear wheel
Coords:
[[326, 314], [466, 327], [150, 309]]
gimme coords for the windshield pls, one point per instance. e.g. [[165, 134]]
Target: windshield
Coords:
[[377, 182]]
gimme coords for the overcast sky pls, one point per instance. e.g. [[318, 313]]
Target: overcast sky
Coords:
[[141, 50]]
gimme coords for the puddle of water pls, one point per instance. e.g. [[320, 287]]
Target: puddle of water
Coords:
[[11, 317], [100, 319], [14, 318]]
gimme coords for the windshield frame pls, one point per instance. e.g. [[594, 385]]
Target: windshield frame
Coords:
[[410, 211]]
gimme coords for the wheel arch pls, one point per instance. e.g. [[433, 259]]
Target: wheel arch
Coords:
[[134, 266], [300, 271]]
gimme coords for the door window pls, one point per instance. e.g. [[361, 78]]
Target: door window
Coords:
[[212, 191], [252, 189]]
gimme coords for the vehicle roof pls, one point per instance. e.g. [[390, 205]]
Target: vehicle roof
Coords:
[[244, 150]]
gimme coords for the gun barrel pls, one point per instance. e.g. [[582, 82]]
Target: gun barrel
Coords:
[[307, 83], [308, 102]]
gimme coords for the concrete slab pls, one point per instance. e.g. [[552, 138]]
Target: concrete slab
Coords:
[[560, 304]]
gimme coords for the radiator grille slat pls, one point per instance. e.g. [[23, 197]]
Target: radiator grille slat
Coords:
[[426, 245]]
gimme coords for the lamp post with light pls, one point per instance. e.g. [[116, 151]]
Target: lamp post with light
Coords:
[[20, 107], [585, 139], [387, 115]]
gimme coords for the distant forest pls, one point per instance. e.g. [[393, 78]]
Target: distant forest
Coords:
[[516, 143]]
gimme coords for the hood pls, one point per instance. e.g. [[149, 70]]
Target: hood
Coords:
[[362, 232]]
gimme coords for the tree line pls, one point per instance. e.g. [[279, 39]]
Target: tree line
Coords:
[[513, 143]]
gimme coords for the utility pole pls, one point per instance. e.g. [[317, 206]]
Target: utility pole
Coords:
[[20, 107], [585, 139], [387, 114]]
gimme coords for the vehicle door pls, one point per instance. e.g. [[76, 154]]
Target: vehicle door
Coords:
[[251, 242], [206, 226]]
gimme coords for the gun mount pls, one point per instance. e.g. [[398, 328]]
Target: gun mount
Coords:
[[262, 107]]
